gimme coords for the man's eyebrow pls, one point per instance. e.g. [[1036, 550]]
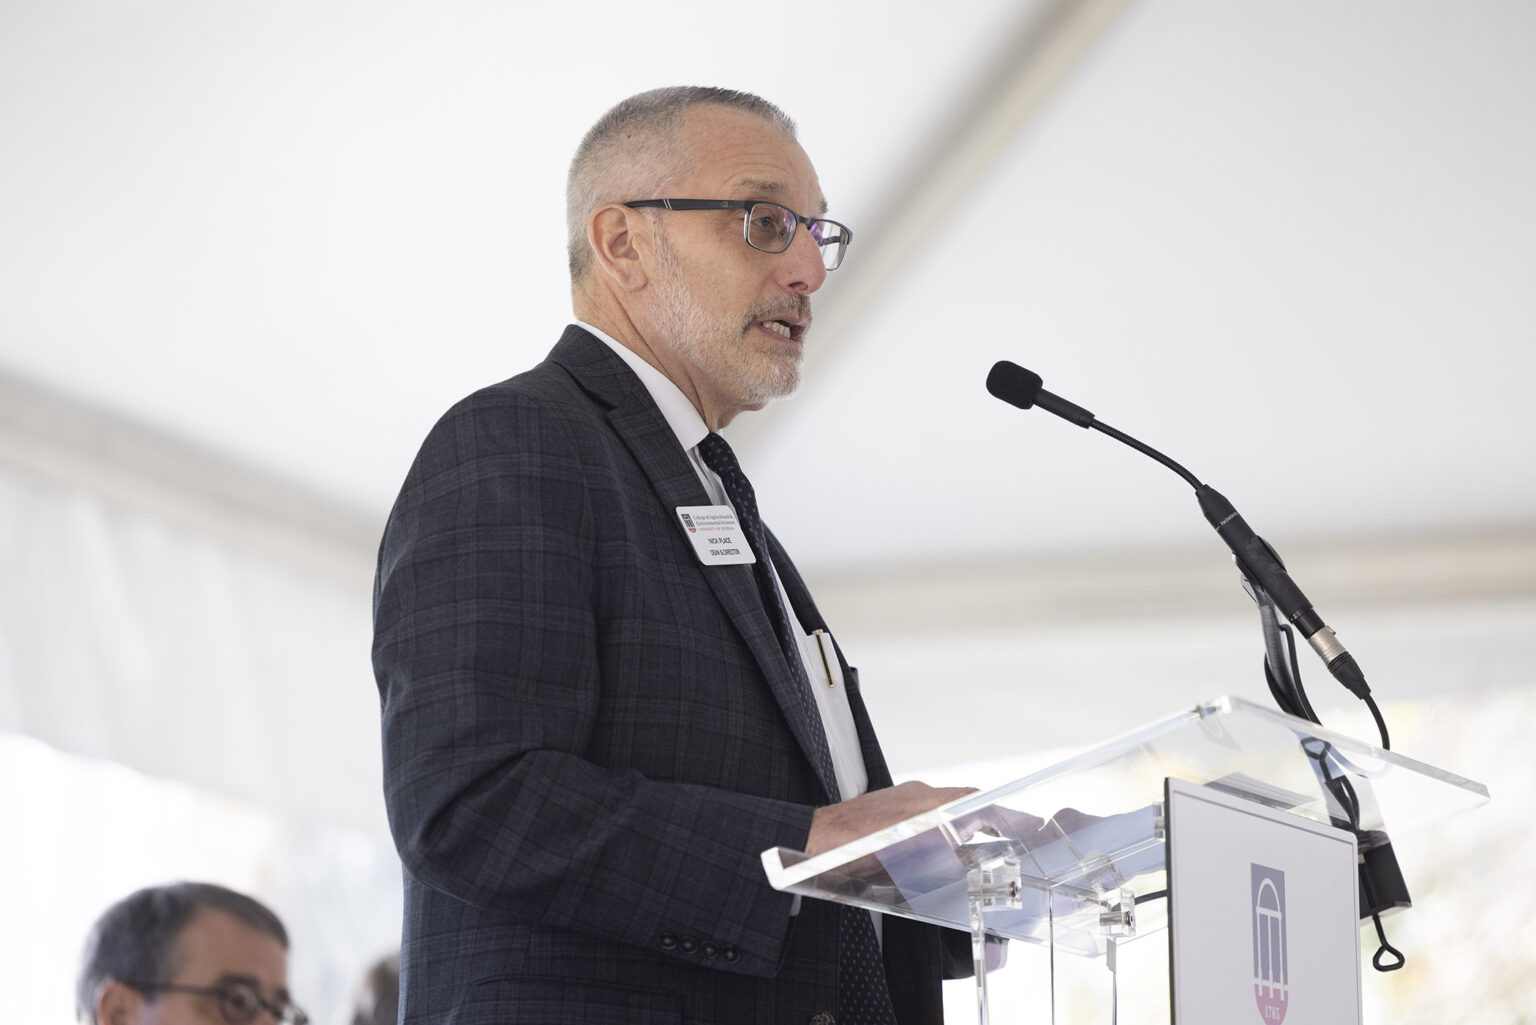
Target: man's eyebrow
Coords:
[[770, 189], [760, 186], [280, 994]]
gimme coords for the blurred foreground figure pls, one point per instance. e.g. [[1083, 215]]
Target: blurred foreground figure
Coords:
[[186, 954], [378, 998]]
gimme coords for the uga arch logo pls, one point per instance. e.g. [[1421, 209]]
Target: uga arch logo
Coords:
[[1271, 978]]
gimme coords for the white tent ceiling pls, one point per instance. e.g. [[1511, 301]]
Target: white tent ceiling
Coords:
[[249, 252], [1293, 244]]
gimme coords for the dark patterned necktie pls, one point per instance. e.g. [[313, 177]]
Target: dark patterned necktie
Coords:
[[719, 457], [863, 998]]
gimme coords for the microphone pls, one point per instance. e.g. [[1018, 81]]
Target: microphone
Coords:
[[1012, 383], [1257, 560]]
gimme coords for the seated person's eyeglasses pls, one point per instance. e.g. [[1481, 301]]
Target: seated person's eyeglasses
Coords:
[[239, 1002], [769, 227]]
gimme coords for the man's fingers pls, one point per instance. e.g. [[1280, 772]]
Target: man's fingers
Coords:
[[837, 824]]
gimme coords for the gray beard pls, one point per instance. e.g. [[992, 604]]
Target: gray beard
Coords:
[[715, 344]]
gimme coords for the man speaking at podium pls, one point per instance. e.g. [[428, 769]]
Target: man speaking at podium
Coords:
[[605, 688]]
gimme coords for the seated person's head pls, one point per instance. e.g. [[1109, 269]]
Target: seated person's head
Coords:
[[185, 953]]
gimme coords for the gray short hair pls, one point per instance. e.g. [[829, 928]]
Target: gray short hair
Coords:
[[631, 150], [134, 940]]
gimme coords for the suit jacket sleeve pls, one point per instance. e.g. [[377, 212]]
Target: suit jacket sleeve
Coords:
[[571, 733]]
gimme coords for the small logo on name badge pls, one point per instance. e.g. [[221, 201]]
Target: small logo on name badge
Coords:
[[688, 522], [1271, 975]]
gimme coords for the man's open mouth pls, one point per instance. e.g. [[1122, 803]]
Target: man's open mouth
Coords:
[[790, 329]]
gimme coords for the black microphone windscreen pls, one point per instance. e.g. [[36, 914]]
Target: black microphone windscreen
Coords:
[[1012, 383]]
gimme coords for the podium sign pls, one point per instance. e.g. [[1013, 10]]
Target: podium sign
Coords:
[[1263, 916]]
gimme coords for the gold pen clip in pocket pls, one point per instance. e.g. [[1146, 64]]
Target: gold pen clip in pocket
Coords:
[[821, 646]]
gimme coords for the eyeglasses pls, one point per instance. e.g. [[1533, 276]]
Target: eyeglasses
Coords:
[[239, 1002], [769, 227]]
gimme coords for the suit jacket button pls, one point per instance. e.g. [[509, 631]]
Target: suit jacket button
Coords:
[[710, 951], [668, 941], [688, 944], [731, 955], [823, 1018]]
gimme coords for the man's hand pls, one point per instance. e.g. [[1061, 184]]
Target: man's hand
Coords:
[[837, 824]]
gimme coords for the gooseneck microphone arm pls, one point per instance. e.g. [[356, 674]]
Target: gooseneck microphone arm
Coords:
[[1258, 561], [1019, 387], [1126, 439]]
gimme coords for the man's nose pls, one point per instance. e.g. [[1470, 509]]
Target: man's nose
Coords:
[[803, 269]]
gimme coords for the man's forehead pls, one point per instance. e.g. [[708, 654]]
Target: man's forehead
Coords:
[[215, 942], [752, 158]]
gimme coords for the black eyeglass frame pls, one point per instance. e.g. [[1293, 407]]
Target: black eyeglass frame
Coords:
[[289, 1013], [844, 237]]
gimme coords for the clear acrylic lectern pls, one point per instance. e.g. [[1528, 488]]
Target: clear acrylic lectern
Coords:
[[1062, 856]]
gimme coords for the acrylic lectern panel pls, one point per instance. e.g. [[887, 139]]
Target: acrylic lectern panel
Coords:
[[1068, 855]]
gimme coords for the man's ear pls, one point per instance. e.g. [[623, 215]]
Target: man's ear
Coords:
[[620, 238], [117, 1004]]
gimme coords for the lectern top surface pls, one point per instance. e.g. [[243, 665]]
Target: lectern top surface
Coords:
[[1088, 833]]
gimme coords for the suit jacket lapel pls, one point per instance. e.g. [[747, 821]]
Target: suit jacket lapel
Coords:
[[642, 428]]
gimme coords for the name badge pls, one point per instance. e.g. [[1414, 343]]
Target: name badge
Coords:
[[716, 536]]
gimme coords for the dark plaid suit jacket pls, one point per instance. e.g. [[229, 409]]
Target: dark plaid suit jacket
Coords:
[[589, 737]]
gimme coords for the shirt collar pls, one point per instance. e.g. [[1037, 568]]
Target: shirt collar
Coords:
[[679, 413]]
